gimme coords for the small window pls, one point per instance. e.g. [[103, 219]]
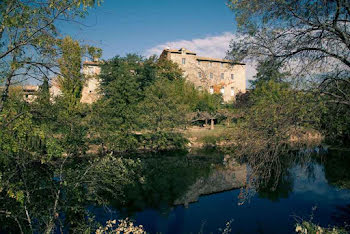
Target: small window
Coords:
[[211, 75], [183, 61], [232, 77], [210, 64], [222, 90], [199, 63], [222, 76], [222, 64], [211, 89], [232, 91], [199, 74]]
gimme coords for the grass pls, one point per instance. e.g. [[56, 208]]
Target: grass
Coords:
[[206, 136]]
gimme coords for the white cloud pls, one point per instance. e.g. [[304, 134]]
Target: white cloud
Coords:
[[211, 46]]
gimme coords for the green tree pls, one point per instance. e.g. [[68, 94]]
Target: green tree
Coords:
[[28, 34], [115, 114], [70, 110], [309, 38], [263, 136]]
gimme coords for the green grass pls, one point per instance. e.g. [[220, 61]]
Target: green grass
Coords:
[[207, 136]]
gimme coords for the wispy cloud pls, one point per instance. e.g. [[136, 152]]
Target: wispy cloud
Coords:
[[211, 46]]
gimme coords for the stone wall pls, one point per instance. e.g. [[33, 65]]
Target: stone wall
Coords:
[[206, 73]]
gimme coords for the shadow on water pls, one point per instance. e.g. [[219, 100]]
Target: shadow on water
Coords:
[[188, 192], [195, 192]]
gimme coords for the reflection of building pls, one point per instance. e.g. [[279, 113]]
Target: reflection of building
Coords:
[[219, 180], [214, 75]]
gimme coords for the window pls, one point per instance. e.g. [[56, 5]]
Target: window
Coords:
[[222, 90], [232, 91], [211, 89], [199, 63], [183, 61], [199, 74], [222, 64], [232, 76], [211, 64], [222, 76], [211, 75]]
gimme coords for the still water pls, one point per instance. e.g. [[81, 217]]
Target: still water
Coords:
[[197, 193]]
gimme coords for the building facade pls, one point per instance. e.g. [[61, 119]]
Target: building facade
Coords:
[[90, 92], [214, 75]]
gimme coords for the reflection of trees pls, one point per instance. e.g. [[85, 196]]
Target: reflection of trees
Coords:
[[41, 197], [282, 190], [164, 180], [273, 178], [336, 167], [342, 216]]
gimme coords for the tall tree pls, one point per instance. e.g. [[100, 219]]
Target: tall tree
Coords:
[[71, 79], [28, 33], [310, 39]]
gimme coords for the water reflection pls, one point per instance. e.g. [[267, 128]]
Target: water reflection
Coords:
[[182, 195], [185, 193]]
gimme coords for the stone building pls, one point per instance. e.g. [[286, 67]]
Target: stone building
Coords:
[[90, 91], [29, 92], [214, 75]]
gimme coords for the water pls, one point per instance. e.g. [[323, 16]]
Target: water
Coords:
[[198, 194]]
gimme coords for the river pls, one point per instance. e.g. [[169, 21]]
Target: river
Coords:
[[196, 193]]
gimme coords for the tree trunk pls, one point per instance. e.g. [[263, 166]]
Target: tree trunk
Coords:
[[211, 124], [5, 92]]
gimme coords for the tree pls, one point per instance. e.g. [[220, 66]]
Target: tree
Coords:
[[115, 114], [70, 110], [28, 34], [309, 39], [71, 79], [263, 135]]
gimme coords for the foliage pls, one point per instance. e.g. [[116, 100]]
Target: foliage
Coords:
[[263, 135], [144, 101], [28, 37], [71, 79], [124, 226], [163, 107], [115, 115], [309, 227], [307, 39]]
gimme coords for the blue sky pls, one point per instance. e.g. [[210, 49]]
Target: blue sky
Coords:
[[125, 26], [146, 27]]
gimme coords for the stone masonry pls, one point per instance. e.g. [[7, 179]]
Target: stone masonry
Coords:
[[214, 75]]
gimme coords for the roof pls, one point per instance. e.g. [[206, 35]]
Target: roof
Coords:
[[218, 60], [92, 63], [202, 58], [179, 51], [30, 88]]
